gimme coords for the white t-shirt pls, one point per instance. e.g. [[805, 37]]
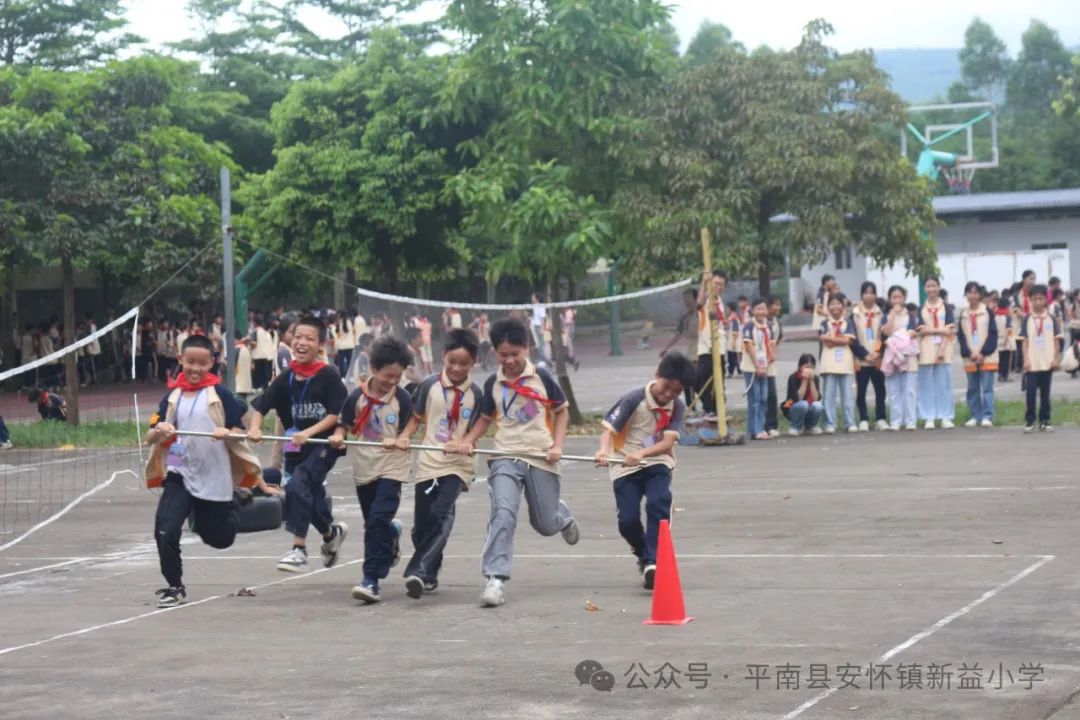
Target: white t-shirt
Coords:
[[539, 313], [202, 462]]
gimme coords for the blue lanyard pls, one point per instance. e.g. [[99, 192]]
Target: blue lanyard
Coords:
[[191, 410], [507, 405], [296, 405]]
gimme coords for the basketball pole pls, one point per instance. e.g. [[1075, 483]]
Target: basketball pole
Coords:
[[718, 375]]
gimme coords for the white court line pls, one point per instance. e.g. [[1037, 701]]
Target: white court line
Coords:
[[56, 516], [133, 618], [929, 631], [72, 561], [11, 469]]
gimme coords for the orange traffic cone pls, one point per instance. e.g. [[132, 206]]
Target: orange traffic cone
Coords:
[[667, 599]]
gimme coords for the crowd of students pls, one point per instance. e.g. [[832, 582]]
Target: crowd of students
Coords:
[[903, 350], [212, 477]]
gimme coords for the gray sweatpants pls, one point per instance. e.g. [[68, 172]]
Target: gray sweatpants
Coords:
[[547, 513]]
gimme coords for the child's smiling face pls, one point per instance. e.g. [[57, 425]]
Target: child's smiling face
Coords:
[[196, 362], [305, 343]]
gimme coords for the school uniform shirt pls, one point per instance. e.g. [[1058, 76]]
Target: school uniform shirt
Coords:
[[868, 324], [1022, 303], [377, 419], [937, 317], [1042, 332], [345, 339], [180, 338], [757, 345], [360, 326], [448, 412], [822, 299], [455, 320], [704, 337], [524, 413], [243, 369], [736, 323], [1006, 330], [840, 360], [301, 403], [265, 345], [978, 334], [638, 422]]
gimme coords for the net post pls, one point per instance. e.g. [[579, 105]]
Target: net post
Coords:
[[227, 271], [718, 376]]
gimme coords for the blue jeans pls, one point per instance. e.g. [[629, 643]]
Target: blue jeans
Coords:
[[980, 394], [306, 503], [838, 387], [901, 391], [654, 484], [379, 503], [803, 415], [935, 392], [757, 397]]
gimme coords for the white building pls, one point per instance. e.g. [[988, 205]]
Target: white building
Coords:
[[989, 237]]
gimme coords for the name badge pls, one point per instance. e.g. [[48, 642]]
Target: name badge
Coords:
[[291, 447], [870, 334], [442, 432], [974, 338], [175, 456], [762, 358], [938, 339], [838, 355], [1040, 340]]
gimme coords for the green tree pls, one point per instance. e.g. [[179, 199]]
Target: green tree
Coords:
[[984, 60], [558, 80], [710, 37], [1035, 78], [61, 33], [748, 138], [361, 169], [97, 176]]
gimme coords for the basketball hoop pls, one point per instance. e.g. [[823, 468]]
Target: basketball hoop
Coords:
[[959, 179]]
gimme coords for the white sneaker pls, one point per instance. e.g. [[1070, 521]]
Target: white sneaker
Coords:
[[971, 423], [570, 533], [815, 430], [6, 445], [830, 431], [928, 425], [494, 595], [855, 429], [882, 426], [794, 433], [947, 425], [895, 427], [987, 423], [911, 426], [774, 433], [414, 587], [864, 426], [329, 549], [171, 596], [1029, 429], [294, 561]]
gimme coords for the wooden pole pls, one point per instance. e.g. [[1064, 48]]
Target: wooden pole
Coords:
[[714, 332]]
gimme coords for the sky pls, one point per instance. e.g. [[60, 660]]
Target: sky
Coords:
[[777, 23]]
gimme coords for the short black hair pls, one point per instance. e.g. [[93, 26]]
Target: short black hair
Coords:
[[462, 339], [742, 298], [1004, 303], [1055, 280], [759, 301], [867, 286], [34, 395], [838, 297], [676, 366], [1037, 290], [509, 330], [972, 285], [901, 288], [198, 341], [720, 274], [312, 321], [1026, 274], [826, 278], [773, 299], [388, 350], [807, 359]]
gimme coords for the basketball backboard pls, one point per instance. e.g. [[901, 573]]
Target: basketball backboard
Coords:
[[955, 139]]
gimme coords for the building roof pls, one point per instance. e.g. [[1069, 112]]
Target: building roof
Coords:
[[1007, 202]]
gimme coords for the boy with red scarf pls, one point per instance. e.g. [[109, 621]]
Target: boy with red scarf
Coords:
[[307, 400], [530, 415], [378, 411], [196, 473], [644, 425]]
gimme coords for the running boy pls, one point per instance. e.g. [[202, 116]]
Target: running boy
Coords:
[[446, 405], [307, 400], [530, 415], [197, 474], [1043, 338], [644, 425], [378, 411]]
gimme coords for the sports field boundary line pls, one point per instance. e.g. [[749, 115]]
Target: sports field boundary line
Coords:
[[151, 613], [64, 510], [988, 595]]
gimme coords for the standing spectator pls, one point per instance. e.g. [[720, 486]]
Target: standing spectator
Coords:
[[868, 322], [1006, 334], [145, 366], [1042, 355], [569, 331], [165, 350], [31, 351], [93, 350], [345, 342], [244, 367], [776, 333], [936, 327], [900, 363], [839, 348], [704, 374], [821, 302], [978, 346], [262, 355], [482, 327]]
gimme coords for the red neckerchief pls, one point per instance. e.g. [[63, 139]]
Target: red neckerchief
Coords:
[[767, 337], [1002, 311], [870, 315], [663, 420], [837, 324], [453, 415], [1040, 322], [1026, 302], [181, 381], [365, 412], [973, 314], [520, 388], [934, 312], [310, 369]]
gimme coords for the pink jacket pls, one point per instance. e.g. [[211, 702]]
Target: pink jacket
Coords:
[[898, 348]]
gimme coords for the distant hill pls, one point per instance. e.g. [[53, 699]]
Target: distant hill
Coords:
[[919, 75]]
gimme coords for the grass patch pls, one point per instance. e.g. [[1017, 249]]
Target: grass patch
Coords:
[[100, 434]]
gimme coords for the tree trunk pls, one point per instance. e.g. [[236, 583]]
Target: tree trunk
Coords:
[[71, 370], [764, 274], [559, 351]]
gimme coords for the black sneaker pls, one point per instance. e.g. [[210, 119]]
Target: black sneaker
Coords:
[[171, 596], [648, 576], [414, 587], [430, 587]]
